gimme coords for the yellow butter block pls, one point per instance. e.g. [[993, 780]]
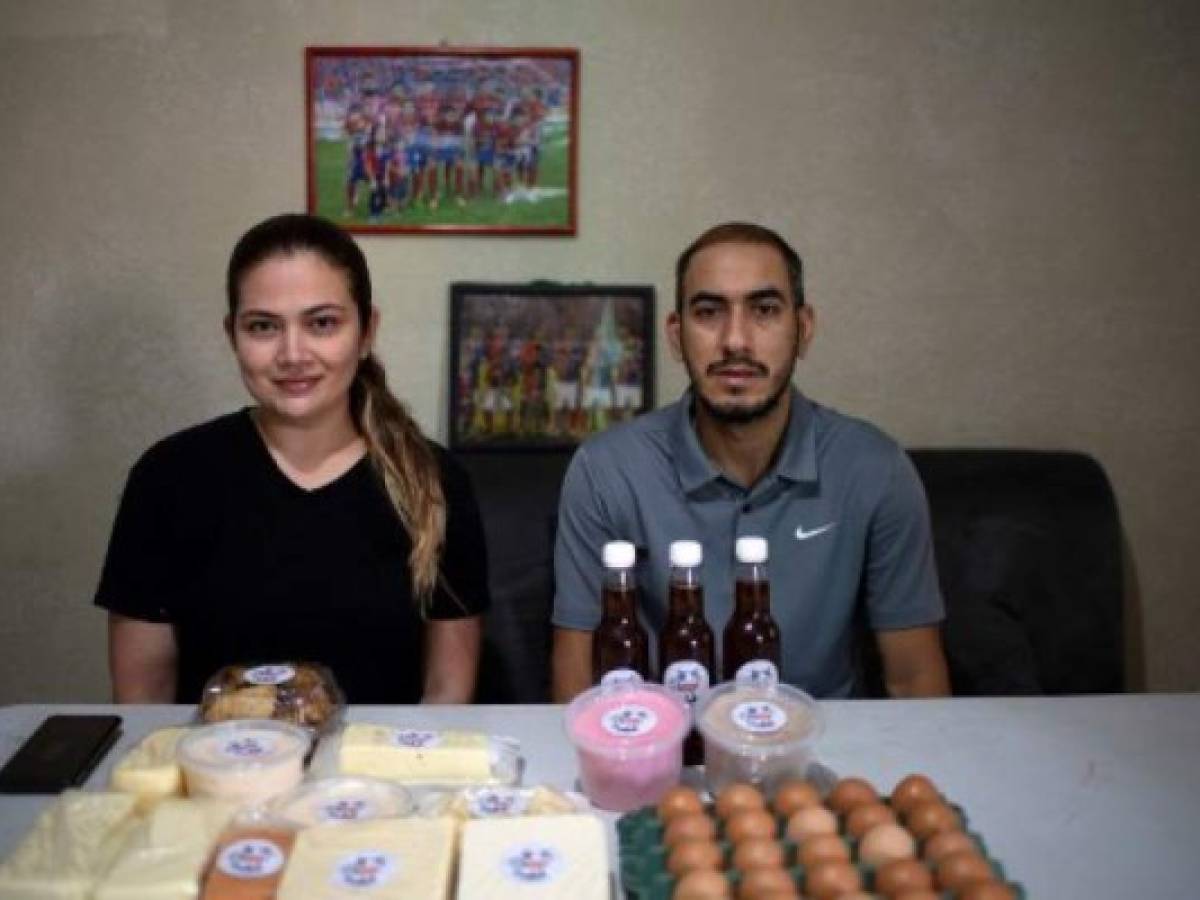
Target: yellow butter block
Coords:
[[385, 859], [534, 856], [150, 770], [399, 754], [71, 845]]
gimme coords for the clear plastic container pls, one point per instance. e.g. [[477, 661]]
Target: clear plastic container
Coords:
[[335, 801], [301, 693], [760, 733], [248, 760], [629, 739]]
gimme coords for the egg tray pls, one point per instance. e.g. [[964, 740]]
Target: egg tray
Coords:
[[643, 856]]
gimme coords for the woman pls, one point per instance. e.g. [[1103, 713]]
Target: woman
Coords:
[[318, 525]]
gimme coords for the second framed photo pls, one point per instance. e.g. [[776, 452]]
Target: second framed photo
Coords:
[[541, 365], [443, 140]]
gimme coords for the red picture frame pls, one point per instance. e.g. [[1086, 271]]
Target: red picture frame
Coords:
[[443, 140]]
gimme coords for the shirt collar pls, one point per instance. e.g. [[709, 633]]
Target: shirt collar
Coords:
[[797, 459]]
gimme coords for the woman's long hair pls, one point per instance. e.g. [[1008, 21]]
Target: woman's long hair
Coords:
[[399, 451]]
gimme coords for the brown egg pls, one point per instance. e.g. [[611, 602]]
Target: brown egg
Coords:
[[988, 890], [849, 793], [956, 871], [927, 818], [903, 875], [750, 823], [794, 795], [823, 848], [884, 843], [811, 820], [867, 815], [911, 790], [703, 884], [737, 797], [758, 853], [697, 854], [947, 842], [677, 801], [831, 879], [689, 827], [758, 884]]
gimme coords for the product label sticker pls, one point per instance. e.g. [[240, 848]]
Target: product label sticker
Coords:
[[758, 716], [364, 869], [417, 740], [347, 809], [532, 863], [758, 673], [487, 803], [629, 720], [614, 677], [687, 678], [269, 675], [251, 859], [249, 746]]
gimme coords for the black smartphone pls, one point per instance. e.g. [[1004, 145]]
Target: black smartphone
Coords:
[[61, 754]]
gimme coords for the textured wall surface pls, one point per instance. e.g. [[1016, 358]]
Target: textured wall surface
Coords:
[[998, 200]]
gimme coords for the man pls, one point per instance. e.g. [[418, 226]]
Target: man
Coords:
[[743, 452]]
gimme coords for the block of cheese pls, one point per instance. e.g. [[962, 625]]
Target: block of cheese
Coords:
[[534, 856], [416, 757], [150, 769], [72, 843], [385, 859], [248, 863], [165, 856]]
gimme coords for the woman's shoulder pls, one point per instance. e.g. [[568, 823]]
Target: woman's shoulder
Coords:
[[201, 446]]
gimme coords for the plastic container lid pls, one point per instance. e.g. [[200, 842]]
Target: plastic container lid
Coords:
[[301, 693], [759, 719], [751, 550], [686, 554], [619, 555], [341, 800], [243, 746], [628, 720]]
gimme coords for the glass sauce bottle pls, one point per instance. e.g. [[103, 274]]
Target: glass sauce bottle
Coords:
[[750, 643], [620, 645], [686, 645]]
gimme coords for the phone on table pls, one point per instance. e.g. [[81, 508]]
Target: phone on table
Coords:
[[61, 754]]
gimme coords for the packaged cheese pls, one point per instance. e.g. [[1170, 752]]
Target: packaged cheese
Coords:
[[72, 843], [248, 863], [150, 769], [165, 856], [339, 800], [388, 859], [534, 856], [414, 756], [491, 802]]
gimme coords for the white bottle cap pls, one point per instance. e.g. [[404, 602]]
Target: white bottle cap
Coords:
[[751, 550], [619, 555], [686, 554]]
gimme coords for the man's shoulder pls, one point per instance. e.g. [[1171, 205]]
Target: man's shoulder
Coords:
[[852, 441], [643, 438]]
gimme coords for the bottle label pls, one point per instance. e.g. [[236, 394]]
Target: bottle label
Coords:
[[629, 720], [757, 673], [687, 678], [614, 677], [758, 716], [363, 869], [268, 675], [251, 859], [532, 863]]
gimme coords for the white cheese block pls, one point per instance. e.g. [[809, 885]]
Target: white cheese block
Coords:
[[385, 859], [150, 769], [72, 843], [166, 855], [400, 754], [534, 856]]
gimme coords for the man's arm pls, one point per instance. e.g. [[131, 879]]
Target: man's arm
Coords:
[[913, 662], [572, 663], [451, 659], [142, 659]]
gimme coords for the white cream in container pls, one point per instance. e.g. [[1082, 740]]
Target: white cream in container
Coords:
[[247, 760]]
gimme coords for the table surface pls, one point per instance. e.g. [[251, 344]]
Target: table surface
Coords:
[[1082, 797]]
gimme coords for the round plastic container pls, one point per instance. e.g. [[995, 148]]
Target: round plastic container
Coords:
[[336, 801], [757, 733], [301, 693], [248, 760], [629, 739]]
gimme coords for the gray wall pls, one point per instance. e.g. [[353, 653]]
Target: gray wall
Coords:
[[999, 202]]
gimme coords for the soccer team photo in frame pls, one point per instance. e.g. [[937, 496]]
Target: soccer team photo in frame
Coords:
[[546, 365], [412, 140]]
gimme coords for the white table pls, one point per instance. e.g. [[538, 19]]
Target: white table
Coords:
[[1080, 797]]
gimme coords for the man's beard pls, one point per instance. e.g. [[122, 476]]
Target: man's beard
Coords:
[[737, 414]]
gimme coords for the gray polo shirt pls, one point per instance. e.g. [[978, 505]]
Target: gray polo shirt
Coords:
[[843, 510]]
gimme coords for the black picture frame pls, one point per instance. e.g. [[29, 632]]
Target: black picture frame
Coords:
[[545, 365]]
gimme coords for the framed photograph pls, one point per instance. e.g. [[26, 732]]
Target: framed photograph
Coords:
[[535, 366], [439, 140]]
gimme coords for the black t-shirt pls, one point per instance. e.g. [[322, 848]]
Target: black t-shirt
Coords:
[[212, 537]]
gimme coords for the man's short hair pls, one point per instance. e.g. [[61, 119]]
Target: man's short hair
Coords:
[[742, 233]]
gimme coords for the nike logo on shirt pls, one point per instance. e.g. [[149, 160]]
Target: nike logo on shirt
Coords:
[[802, 535]]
